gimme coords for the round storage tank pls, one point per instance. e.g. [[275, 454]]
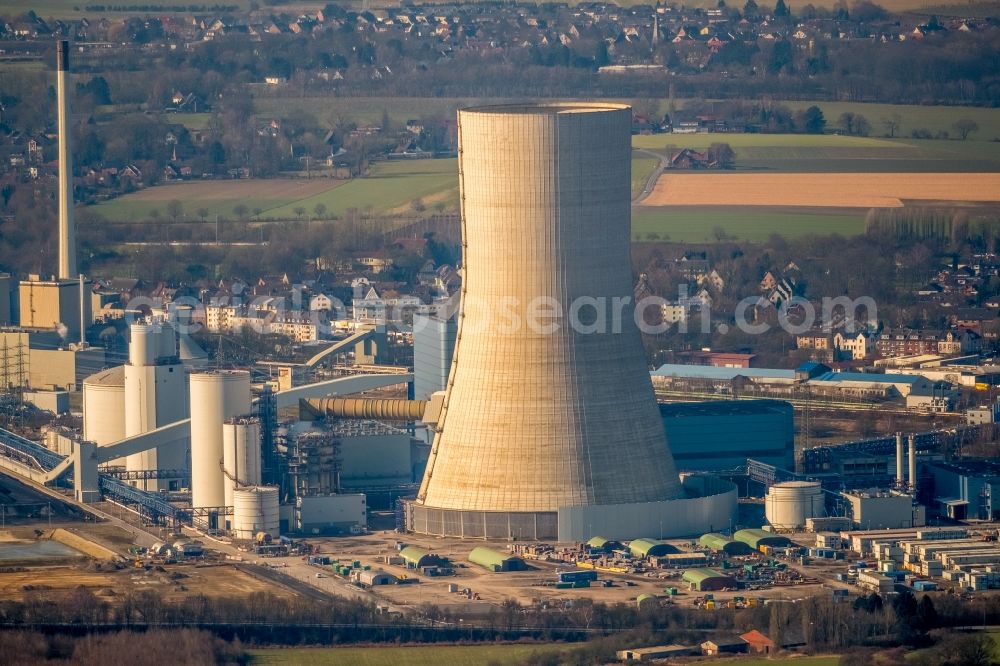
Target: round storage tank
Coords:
[[255, 510], [143, 345], [241, 454], [789, 504], [215, 397], [104, 408], [166, 341]]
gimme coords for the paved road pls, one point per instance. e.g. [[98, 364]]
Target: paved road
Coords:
[[653, 177]]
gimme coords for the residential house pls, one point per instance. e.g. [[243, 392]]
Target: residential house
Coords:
[[855, 346]]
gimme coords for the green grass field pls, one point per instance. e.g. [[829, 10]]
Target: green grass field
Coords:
[[392, 188], [702, 225], [642, 169], [370, 110], [444, 655]]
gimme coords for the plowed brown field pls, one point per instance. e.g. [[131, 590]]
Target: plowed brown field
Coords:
[[829, 190]]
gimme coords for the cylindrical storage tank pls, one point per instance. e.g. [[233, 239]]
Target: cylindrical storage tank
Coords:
[[104, 407], [215, 397], [255, 510], [166, 341], [789, 504], [142, 347], [241, 454]]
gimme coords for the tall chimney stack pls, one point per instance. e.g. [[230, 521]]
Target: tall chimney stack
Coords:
[[900, 479], [913, 463], [67, 233]]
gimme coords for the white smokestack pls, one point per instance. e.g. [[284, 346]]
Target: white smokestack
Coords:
[[913, 463], [67, 233]]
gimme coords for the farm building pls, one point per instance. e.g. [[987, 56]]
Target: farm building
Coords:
[[649, 548], [657, 652], [416, 557], [495, 560], [757, 538], [707, 580], [718, 543], [378, 577], [724, 646], [600, 543], [758, 642]]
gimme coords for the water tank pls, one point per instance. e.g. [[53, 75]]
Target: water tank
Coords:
[[142, 347], [789, 504], [255, 510], [215, 397], [104, 407], [241, 454]]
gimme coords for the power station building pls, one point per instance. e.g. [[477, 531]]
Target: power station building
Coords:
[[549, 427], [721, 435], [433, 348]]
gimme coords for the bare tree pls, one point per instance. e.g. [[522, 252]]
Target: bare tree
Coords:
[[892, 124], [965, 127]]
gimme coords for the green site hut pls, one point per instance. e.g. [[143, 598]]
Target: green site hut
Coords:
[[645, 601], [757, 538], [606, 545], [707, 580], [649, 548], [416, 557], [718, 543], [494, 560]]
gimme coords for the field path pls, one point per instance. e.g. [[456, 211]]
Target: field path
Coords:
[[830, 190]]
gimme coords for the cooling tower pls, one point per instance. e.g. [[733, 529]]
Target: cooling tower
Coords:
[[541, 414]]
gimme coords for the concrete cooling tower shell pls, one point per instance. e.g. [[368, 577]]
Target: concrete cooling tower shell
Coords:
[[540, 414]]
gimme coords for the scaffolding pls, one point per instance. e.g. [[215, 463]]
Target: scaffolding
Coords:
[[314, 463]]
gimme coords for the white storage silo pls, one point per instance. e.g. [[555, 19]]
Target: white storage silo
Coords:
[[215, 396], [789, 504], [104, 408], [241, 454], [255, 510], [155, 396]]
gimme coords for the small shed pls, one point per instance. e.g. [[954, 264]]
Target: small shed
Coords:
[[719, 543], [757, 538], [494, 560], [606, 545], [707, 580], [645, 601], [416, 557], [650, 548], [376, 577], [724, 646]]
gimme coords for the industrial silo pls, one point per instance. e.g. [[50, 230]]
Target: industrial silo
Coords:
[[104, 408], [788, 504], [541, 413], [241, 454], [215, 396], [155, 396], [255, 510]]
